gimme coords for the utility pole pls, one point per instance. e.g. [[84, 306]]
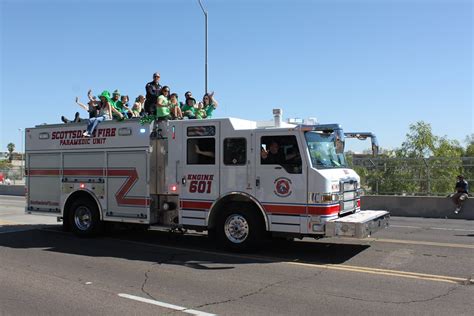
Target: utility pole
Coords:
[[205, 17]]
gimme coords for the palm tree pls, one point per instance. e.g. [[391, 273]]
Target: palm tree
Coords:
[[11, 148]]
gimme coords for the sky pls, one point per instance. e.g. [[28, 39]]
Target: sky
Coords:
[[369, 65]]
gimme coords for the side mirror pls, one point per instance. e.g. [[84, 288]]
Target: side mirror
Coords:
[[339, 141], [375, 146]]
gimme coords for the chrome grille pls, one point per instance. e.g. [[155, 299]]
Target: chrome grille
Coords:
[[349, 203]]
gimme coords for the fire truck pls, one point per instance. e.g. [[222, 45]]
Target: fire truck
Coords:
[[239, 180]]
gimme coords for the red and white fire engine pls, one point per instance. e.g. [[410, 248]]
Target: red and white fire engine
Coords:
[[240, 180]]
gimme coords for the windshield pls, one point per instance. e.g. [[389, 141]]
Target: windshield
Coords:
[[322, 150]]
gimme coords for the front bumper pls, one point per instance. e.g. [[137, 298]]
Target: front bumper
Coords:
[[358, 225]]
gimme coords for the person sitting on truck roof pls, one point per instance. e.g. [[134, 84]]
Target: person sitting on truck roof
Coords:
[[210, 104], [153, 89], [117, 105], [105, 113], [174, 107], [91, 108], [137, 108], [188, 109], [163, 104], [200, 112], [187, 95], [126, 111]]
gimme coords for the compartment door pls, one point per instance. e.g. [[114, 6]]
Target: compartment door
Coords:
[[127, 187], [200, 172]]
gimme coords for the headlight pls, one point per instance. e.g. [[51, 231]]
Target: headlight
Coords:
[[329, 197]]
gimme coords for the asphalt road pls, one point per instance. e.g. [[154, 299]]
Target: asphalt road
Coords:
[[417, 266]]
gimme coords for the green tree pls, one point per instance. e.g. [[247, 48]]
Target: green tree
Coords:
[[469, 158], [11, 149], [420, 141], [425, 164]]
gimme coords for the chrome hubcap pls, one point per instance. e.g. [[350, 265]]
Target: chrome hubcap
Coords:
[[83, 218], [236, 228]]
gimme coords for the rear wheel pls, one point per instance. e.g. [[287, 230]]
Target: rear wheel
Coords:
[[84, 218], [239, 227]]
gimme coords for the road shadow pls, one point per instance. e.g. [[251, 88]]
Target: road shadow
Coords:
[[468, 235], [194, 251]]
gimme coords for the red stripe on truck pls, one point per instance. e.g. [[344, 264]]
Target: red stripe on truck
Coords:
[[196, 205], [300, 209], [270, 208]]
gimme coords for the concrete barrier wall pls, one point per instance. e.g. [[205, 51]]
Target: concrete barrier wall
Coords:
[[410, 206], [418, 206], [18, 190]]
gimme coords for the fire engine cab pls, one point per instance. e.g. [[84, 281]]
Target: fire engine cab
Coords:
[[238, 179]]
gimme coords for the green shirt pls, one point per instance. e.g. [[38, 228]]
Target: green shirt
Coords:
[[209, 109], [118, 105], [200, 114], [186, 108], [164, 110]]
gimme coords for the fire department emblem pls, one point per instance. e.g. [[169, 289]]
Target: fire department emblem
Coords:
[[282, 187]]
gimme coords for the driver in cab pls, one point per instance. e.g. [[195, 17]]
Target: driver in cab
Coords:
[[275, 156]]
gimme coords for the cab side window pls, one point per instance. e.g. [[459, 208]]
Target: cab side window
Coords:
[[201, 151], [281, 150]]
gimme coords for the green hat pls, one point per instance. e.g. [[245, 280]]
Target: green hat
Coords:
[[116, 92], [105, 94]]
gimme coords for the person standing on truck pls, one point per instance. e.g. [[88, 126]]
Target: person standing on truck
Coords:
[[105, 113], [461, 193], [163, 104], [153, 89]]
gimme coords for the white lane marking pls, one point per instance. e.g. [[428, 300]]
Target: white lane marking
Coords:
[[434, 228], [165, 305]]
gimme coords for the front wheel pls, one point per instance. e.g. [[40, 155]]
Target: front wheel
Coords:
[[84, 218], [240, 227]]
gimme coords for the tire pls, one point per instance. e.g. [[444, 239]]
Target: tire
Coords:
[[239, 227], [84, 218]]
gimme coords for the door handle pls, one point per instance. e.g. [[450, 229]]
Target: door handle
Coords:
[[257, 182], [183, 181], [278, 168]]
